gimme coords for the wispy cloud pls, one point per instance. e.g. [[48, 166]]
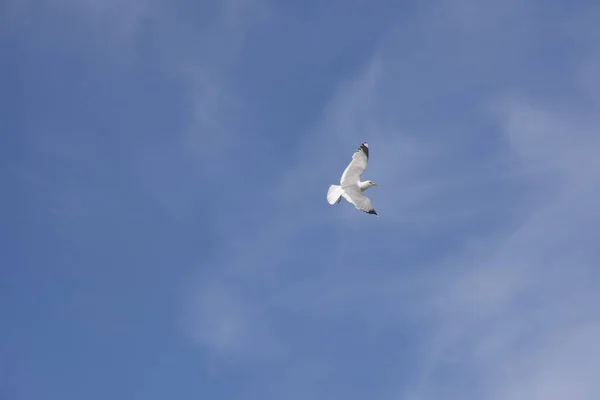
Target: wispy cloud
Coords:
[[208, 133], [483, 257], [536, 290]]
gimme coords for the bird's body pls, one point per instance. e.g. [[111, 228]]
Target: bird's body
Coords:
[[351, 187]]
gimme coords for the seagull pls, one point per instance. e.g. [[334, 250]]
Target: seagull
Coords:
[[351, 188]]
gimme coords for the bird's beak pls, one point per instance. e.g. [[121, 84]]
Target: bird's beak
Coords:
[[374, 184]]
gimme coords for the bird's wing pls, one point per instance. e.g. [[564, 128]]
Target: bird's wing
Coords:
[[357, 166], [355, 196]]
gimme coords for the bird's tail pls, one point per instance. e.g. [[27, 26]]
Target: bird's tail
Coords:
[[334, 194]]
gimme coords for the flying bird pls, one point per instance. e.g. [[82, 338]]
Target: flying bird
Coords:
[[351, 188]]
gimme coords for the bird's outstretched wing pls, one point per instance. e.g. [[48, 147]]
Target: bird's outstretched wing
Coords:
[[355, 196], [358, 165]]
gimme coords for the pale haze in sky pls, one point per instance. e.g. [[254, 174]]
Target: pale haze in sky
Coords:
[[164, 226]]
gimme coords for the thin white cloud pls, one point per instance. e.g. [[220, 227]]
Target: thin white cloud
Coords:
[[211, 134], [536, 290], [219, 318], [507, 308]]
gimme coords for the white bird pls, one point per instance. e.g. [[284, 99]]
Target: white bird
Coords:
[[351, 188]]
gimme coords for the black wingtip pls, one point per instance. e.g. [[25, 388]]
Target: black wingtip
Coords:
[[371, 212], [364, 146]]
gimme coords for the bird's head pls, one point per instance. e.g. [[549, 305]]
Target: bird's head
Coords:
[[366, 184]]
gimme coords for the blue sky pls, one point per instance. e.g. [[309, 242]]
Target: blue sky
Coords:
[[165, 229]]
